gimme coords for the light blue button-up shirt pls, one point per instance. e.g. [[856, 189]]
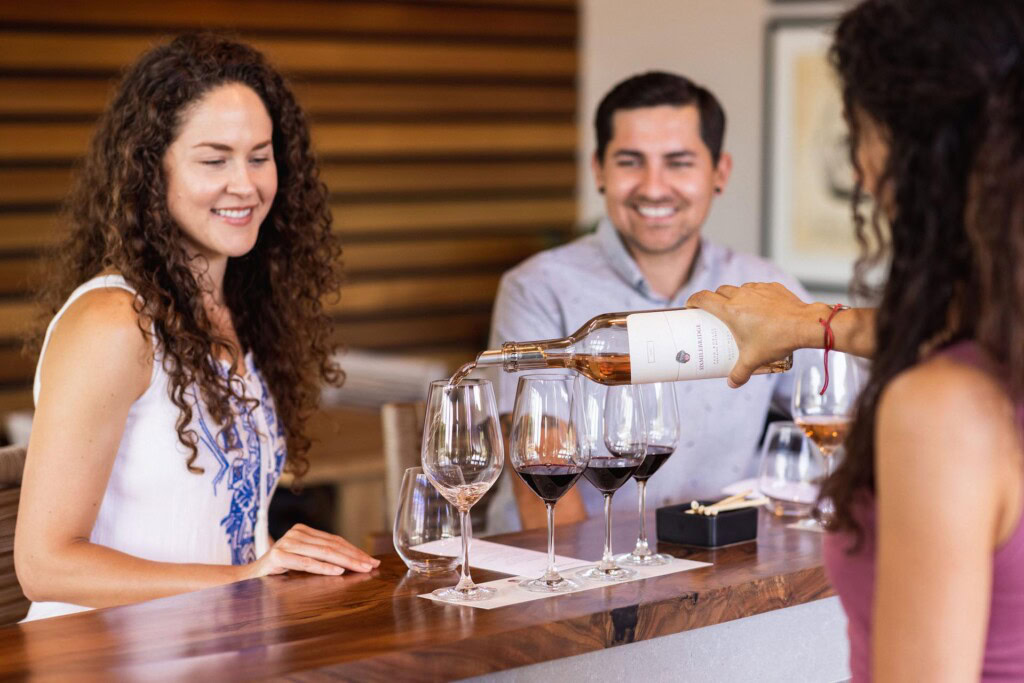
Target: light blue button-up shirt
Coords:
[[551, 295]]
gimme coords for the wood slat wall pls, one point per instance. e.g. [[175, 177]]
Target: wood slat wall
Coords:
[[446, 132]]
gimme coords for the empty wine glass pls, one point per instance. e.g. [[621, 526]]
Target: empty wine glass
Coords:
[[462, 455], [544, 447], [790, 470], [824, 410], [661, 421], [625, 438], [425, 528]]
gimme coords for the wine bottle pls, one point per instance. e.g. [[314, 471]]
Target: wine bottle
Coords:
[[631, 348]]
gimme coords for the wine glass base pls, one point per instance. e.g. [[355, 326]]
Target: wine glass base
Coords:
[[808, 524], [561, 585], [789, 508], [473, 593], [652, 560], [609, 575]]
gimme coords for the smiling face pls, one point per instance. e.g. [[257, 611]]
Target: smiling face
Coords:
[[658, 177], [221, 176]]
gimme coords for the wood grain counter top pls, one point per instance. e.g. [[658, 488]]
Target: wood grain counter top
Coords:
[[373, 627]]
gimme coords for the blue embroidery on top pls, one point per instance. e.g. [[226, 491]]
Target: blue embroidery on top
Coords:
[[210, 441], [281, 451], [239, 458]]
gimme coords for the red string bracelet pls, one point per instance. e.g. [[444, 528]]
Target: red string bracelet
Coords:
[[830, 340]]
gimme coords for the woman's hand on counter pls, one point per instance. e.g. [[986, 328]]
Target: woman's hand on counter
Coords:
[[308, 550]]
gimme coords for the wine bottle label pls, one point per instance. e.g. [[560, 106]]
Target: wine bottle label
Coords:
[[666, 346]]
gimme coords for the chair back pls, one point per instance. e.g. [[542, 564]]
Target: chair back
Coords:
[[13, 603], [403, 431]]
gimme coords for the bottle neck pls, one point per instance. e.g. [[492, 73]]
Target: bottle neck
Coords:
[[518, 356]]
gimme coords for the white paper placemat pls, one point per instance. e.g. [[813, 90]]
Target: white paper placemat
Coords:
[[531, 564], [500, 558]]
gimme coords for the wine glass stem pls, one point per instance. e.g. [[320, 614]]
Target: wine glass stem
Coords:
[[829, 461], [825, 507], [552, 573], [606, 560], [465, 582], [641, 542]]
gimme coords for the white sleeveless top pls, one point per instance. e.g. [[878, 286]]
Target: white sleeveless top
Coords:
[[154, 508]]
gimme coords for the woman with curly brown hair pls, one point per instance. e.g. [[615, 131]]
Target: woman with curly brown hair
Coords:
[[926, 550], [188, 341]]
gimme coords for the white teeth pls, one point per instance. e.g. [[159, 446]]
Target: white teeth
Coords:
[[233, 213], [656, 211]]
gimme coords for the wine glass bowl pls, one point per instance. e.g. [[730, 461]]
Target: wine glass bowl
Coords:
[[790, 471], [546, 452], [625, 442], [424, 516], [462, 455]]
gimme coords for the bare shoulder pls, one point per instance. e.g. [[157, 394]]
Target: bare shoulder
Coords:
[[948, 427], [107, 314], [953, 394], [101, 330]]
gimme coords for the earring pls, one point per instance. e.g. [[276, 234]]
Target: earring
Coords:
[[718, 190], [600, 189]]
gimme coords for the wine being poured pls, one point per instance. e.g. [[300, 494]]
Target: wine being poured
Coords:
[[630, 348]]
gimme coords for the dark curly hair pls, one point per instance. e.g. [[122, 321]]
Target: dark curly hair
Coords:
[[118, 218], [944, 81]]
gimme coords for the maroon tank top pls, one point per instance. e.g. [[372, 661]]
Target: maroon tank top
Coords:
[[853, 577]]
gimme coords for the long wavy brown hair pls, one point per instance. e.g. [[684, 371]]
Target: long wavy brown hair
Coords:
[[945, 81], [118, 219]]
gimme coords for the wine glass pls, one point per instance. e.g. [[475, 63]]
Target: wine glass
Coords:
[[661, 421], [462, 455], [424, 532], [824, 411], [789, 470], [625, 438], [544, 446]]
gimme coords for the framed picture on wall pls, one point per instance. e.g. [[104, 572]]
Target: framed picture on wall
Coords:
[[809, 180]]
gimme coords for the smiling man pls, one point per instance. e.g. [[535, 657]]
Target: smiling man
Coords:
[[659, 163]]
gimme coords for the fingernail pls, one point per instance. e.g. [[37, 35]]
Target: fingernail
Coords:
[[339, 570]]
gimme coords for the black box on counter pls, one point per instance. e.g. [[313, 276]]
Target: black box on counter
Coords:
[[732, 526]]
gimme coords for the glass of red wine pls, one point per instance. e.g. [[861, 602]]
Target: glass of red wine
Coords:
[[625, 438], [546, 453], [661, 421]]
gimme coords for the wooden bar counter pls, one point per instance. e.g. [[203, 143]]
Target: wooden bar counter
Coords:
[[373, 627]]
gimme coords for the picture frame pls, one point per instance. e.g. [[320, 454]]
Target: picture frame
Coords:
[[808, 228]]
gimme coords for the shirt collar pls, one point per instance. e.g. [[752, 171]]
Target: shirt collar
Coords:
[[625, 267]]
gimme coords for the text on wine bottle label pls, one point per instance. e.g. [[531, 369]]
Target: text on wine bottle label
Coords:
[[666, 346]]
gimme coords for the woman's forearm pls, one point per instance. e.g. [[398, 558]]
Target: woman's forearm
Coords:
[[769, 322], [92, 575], [854, 329]]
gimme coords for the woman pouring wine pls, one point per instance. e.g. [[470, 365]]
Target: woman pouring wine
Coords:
[[926, 548]]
